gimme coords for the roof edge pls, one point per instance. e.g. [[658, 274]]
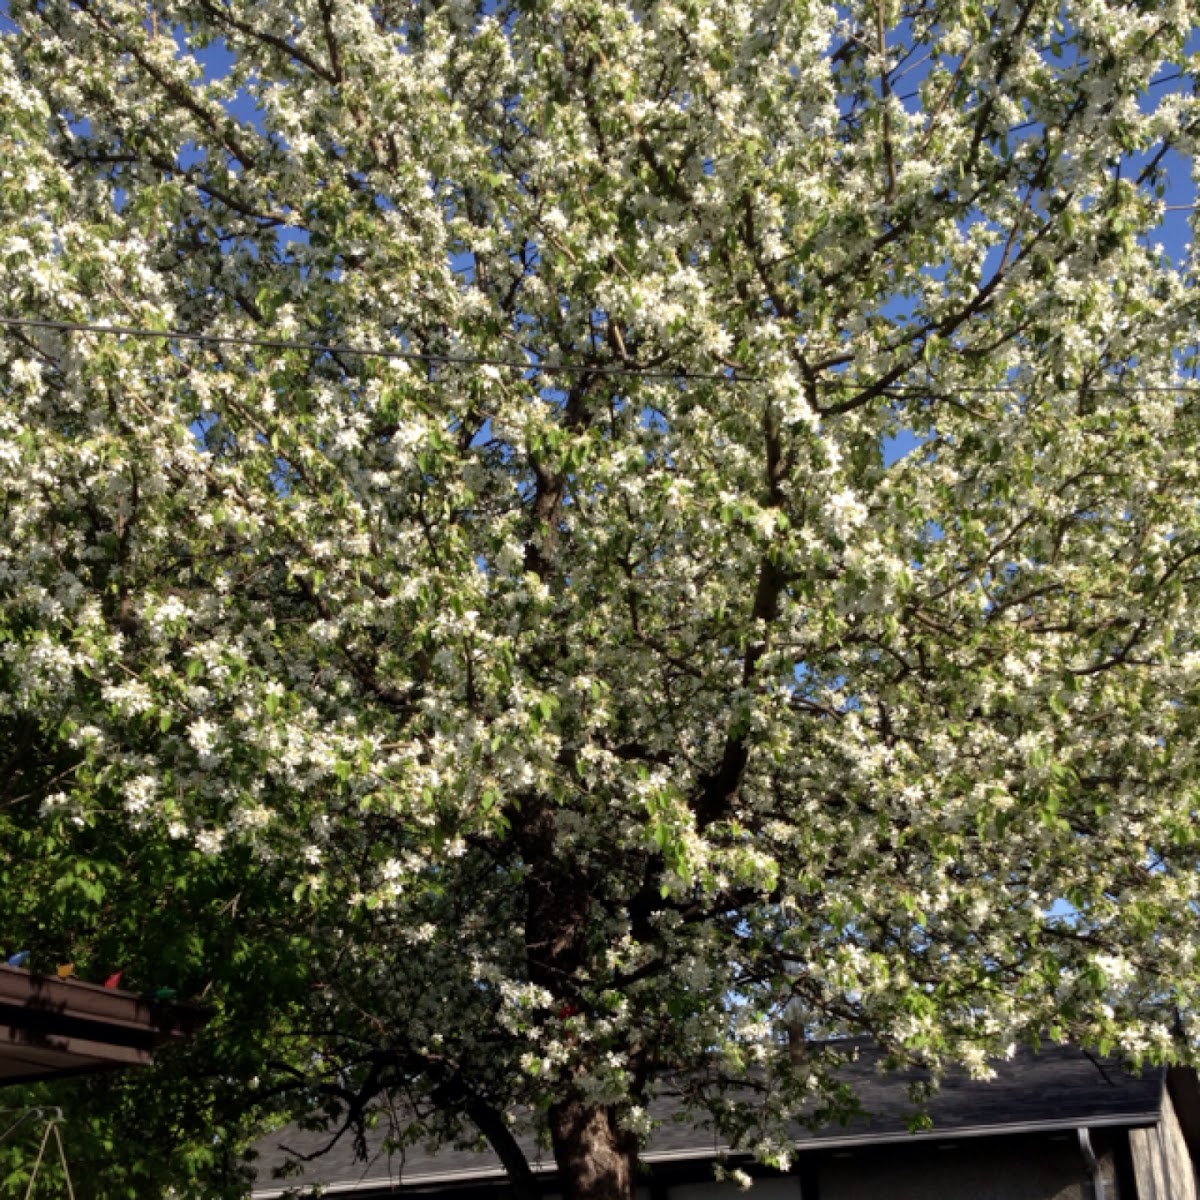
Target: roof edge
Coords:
[[1129, 1120]]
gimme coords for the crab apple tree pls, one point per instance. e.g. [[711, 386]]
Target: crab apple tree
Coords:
[[676, 529]]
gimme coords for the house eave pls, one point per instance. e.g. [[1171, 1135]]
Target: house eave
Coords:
[[50, 1027], [850, 1141]]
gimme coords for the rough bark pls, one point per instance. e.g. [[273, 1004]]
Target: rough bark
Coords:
[[596, 1160]]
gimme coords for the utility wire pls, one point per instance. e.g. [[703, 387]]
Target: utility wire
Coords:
[[896, 389], [418, 356]]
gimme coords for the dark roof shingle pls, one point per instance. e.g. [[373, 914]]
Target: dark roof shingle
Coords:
[[1055, 1087]]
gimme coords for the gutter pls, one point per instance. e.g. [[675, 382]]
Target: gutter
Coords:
[[479, 1175], [52, 1027]]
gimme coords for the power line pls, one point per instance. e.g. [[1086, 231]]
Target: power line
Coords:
[[430, 359], [418, 356]]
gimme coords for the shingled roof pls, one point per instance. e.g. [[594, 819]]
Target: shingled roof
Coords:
[[1051, 1089]]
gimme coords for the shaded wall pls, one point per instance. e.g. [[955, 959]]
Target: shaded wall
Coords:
[[1016, 1168], [968, 1170]]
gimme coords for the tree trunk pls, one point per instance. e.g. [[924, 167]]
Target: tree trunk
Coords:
[[596, 1160]]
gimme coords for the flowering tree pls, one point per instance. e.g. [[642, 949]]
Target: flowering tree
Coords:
[[555, 702]]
